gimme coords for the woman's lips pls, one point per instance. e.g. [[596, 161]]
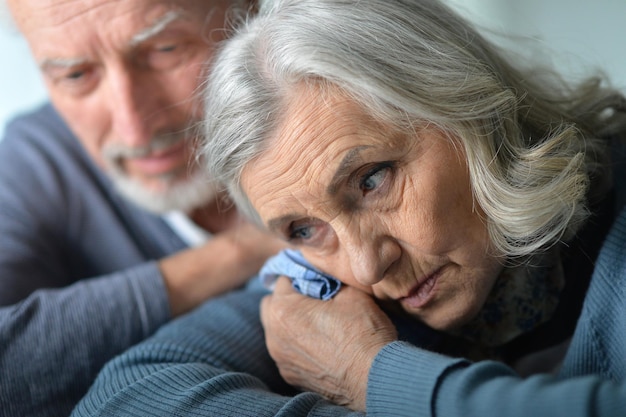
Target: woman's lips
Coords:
[[421, 293]]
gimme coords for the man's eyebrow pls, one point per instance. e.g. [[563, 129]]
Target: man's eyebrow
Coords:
[[344, 168], [157, 27], [60, 63]]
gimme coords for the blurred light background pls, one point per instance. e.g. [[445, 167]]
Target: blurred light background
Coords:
[[21, 87], [579, 35]]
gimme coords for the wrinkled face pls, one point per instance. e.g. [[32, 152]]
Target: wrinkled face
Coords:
[[390, 214], [124, 74]]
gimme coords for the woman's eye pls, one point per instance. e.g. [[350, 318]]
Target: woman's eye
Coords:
[[308, 231], [300, 233], [374, 177]]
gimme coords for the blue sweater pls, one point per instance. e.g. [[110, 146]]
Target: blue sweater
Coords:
[[213, 362], [63, 228]]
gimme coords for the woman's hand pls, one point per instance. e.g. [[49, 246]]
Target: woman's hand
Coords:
[[325, 346]]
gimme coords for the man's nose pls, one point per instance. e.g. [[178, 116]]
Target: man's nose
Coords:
[[370, 254], [132, 107]]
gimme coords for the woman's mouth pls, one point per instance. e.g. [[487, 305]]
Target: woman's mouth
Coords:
[[422, 293]]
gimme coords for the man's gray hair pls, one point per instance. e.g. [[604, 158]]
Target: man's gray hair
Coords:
[[531, 142]]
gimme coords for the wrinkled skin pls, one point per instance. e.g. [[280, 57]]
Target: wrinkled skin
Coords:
[[316, 351]]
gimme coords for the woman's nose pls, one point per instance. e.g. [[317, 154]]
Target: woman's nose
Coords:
[[370, 256]]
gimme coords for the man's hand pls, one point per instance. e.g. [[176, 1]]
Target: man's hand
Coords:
[[224, 263], [325, 346]]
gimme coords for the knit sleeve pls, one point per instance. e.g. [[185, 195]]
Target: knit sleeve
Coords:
[[403, 380], [55, 341], [408, 381], [211, 362]]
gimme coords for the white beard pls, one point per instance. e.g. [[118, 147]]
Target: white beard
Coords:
[[185, 195]]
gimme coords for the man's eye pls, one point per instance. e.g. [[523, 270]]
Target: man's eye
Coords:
[[74, 81], [374, 177], [167, 48], [75, 75], [167, 55]]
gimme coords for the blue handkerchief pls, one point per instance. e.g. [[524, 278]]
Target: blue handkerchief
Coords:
[[305, 278]]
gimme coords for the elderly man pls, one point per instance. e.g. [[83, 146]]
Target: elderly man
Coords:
[[108, 227]]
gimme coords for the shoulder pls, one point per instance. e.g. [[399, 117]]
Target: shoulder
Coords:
[[607, 291], [611, 262], [39, 151], [41, 141], [597, 345], [43, 119], [42, 128], [44, 169], [618, 164]]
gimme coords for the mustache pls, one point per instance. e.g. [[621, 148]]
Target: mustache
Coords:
[[158, 142]]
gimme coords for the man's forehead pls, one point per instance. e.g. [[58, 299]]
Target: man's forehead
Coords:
[[150, 15], [61, 31]]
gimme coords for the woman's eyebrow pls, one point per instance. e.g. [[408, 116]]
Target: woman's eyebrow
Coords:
[[276, 224], [344, 168]]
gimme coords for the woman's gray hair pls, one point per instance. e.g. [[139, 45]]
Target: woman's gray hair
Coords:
[[533, 144]]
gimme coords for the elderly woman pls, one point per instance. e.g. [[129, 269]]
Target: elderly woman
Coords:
[[401, 152]]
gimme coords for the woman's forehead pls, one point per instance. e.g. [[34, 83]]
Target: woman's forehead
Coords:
[[317, 124]]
